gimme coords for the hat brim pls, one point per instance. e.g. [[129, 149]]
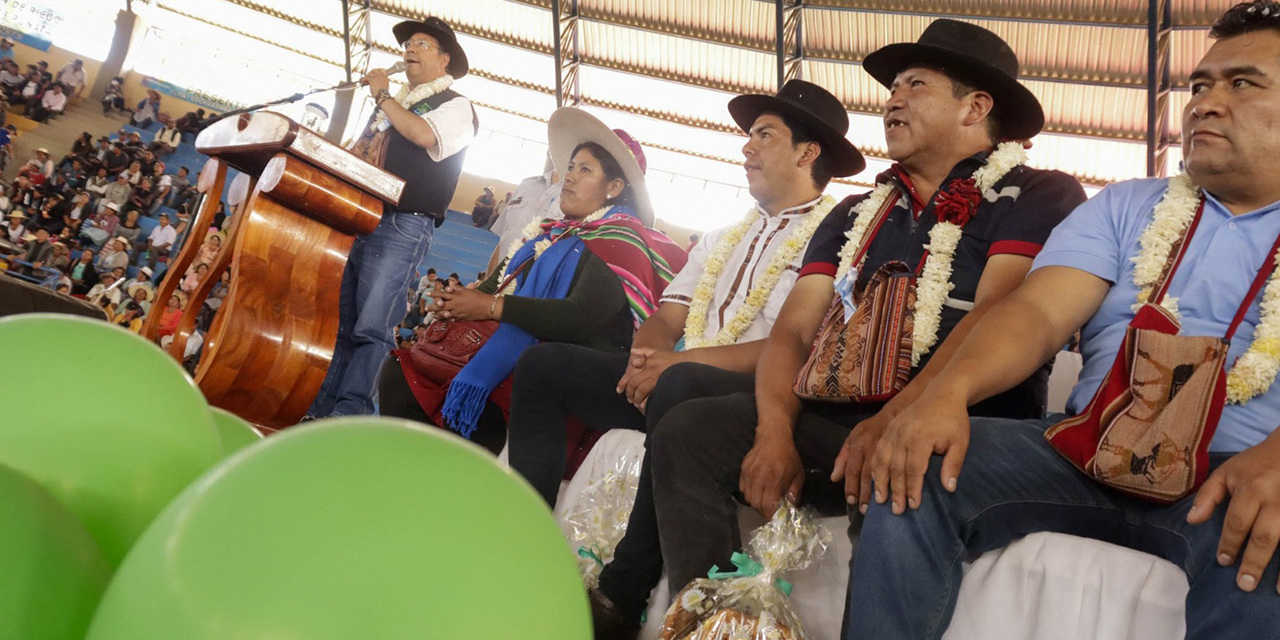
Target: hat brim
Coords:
[[458, 64], [1021, 116], [571, 126], [846, 160], [151, 292]]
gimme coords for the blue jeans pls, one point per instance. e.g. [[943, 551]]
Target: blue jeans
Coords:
[[380, 269], [906, 569]]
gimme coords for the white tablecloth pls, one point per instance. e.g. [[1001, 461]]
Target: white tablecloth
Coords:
[[1044, 587]]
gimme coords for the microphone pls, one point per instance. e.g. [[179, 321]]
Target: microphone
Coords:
[[398, 67]]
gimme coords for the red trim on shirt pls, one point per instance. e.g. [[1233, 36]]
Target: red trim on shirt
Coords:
[[917, 204], [820, 268], [1015, 247]]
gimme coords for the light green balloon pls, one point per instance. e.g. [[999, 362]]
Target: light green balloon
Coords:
[[234, 433], [105, 421], [351, 528], [51, 571]]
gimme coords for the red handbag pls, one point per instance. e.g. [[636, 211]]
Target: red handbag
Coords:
[[448, 346], [1147, 430]]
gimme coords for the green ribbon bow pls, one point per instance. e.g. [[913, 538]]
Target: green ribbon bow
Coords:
[[587, 553], [747, 567]]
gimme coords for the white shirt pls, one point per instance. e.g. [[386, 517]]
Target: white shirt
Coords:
[[97, 185], [163, 235], [745, 266], [71, 77], [452, 124], [54, 101], [170, 137], [532, 200]]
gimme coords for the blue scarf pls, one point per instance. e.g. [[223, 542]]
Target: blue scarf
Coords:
[[548, 278]]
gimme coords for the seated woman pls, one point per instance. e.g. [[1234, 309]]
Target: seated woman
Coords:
[[172, 314], [589, 279]]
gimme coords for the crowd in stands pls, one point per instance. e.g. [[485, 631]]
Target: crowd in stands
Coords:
[[102, 222]]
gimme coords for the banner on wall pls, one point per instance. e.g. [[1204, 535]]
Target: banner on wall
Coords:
[[190, 95], [30, 23]]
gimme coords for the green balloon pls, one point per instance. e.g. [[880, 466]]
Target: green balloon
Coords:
[[351, 528], [51, 571], [118, 445], [233, 431]]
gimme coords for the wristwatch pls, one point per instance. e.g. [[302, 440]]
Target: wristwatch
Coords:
[[380, 96]]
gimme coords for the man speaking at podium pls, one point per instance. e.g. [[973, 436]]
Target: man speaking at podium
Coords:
[[420, 135]]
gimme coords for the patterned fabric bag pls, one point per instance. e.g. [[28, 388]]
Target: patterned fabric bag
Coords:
[[1147, 430], [868, 357], [865, 357]]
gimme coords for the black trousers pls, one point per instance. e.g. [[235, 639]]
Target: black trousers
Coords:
[[554, 381], [396, 400], [697, 452]]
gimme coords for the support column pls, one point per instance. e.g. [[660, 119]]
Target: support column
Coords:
[[1159, 36], [125, 22], [359, 47], [564, 15], [790, 40]]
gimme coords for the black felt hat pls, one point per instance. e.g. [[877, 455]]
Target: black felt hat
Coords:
[[975, 54], [821, 113], [443, 33]]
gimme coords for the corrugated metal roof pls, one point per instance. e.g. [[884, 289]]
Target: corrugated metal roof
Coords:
[[672, 58], [1046, 51], [679, 60], [1128, 12], [745, 23]]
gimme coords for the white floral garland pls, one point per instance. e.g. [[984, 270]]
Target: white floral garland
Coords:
[[407, 97], [935, 279], [533, 230], [696, 322], [1255, 371]]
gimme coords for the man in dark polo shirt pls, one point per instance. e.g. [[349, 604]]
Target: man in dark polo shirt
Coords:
[[954, 97]]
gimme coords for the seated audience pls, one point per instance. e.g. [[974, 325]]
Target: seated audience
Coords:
[[569, 289], [113, 97], [483, 208], [129, 228], [17, 228], [52, 102], [83, 273], [147, 110], [950, 484], [80, 149], [104, 291], [130, 316], [159, 242], [117, 193], [166, 141], [115, 254]]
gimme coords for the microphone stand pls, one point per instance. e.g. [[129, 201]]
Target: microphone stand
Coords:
[[341, 86], [286, 100]]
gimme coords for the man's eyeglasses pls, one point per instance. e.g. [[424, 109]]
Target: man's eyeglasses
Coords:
[[420, 44]]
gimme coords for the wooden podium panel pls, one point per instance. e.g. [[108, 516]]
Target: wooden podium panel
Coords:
[[272, 339]]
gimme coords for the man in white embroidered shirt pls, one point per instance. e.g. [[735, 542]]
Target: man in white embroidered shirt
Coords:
[[720, 307], [420, 135]]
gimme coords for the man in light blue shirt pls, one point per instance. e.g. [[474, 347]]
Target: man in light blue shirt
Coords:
[[928, 516]]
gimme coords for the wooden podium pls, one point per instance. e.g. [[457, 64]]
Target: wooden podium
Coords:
[[272, 339]]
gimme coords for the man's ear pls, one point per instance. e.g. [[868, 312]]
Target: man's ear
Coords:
[[810, 154], [980, 104]]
